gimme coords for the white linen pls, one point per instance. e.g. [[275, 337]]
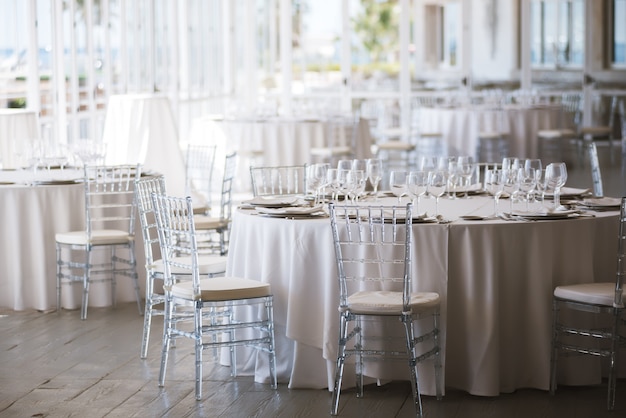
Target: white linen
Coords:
[[30, 217], [460, 126], [140, 128], [16, 125], [495, 279]]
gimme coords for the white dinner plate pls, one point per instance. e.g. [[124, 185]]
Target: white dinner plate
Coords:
[[272, 201], [547, 215], [601, 202], [290, 211]]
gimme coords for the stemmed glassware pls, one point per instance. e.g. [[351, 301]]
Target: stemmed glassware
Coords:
[[374, 172], [535, 163], [494, 185], [437, 182], [316, 179], [555, 178], [527, 181], [332, 182], [453, 178], [417, 185], [465, 169], [398, 184], [357, 180]]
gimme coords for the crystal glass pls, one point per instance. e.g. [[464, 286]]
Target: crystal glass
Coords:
[[417, 185], [331, 182], [527, 180], [465, 169], [357, 181], [494, 186], [398, 184], [344, 165], [437, 183], [555, 179], [453, 179], [316, 179], [374, 170]]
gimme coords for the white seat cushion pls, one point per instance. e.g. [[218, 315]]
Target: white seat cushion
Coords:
[[395, 146], [389, 303], [549, 134], [596, 130], [207, 264], [330, 151], [222, 288], [593, 293], [98, 237], [207, 222]]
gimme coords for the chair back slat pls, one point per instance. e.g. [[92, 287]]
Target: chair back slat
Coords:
[[278, 180]]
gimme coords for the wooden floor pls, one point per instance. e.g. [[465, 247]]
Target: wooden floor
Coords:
[[59, 366]]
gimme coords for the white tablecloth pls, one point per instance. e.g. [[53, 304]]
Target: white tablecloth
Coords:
[[460, 126], [16, 125], [140, 128], [30, 217], [495, 279]]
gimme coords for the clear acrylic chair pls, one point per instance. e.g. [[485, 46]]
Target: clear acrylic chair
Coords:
[[105, 248], [199, 164], [605, 302], [340, 132], [373, 247], [209, 265], [278, 180], [213, 230], [255, 328]]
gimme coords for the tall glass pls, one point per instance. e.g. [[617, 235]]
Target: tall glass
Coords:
[[437, 183], [465, 168], [398, 184], [556, 177], [494, 186], [374, 170]]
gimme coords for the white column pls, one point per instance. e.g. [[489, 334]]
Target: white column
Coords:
[[405, 75], [58, 74], [346, 58], [526, 69], [33, 94], [286, 55]]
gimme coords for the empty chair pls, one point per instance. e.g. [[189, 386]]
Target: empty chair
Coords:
[[596, 174], [208, 265], [373, 248], [199, 163], [602, 132], [105, 248], [278, 180], [211, 226], [175, 218], [603, 300], [339, 140]]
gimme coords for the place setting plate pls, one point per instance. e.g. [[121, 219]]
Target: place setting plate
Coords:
[[272, 201], [545, 215], [292, 211], [600, 203]]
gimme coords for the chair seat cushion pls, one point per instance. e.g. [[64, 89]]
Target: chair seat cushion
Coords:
[[98, 237], [396, 146], [596, 130], [592, 293], [384, 302], [207, 264], [207, 222], [222, 289], [549, 134]]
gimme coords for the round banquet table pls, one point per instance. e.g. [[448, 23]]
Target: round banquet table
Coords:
[[495, 279], [460, 126], [31, 215]]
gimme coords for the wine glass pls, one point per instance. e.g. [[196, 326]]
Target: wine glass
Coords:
[[465, 169], [357, 180], [398, 184], [556, 177], [374, 170], [427, 164], [453, 178], [494, 185], [344, 165], [417, 185], [534, 163], [527, 180], [316, 179], [331, 182], [437, 182]]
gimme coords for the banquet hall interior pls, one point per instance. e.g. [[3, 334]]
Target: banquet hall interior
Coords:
[[270, 97]]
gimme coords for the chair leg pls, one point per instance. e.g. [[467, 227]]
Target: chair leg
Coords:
[[407, 320], [135, 278], [59, 272], [438, 366], [86, 272], [613, 361], [147, 318], [167, 335], [269, 307], [198, 348], [341, 359], [359, 359], [554, 346]]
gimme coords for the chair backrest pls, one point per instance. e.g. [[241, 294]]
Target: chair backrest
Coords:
[[110, 197], [340, 131], [373, 244], [144, 187], [177, 236], [278, 180], [622, 117], [621, 257], [572, 111], [199, 164], [230, 166]]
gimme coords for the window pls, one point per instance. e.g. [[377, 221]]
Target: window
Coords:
[[557, 33], [618, 47]]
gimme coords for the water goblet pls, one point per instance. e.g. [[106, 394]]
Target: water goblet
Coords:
[[417, 183], [465, 168], [437, 183], [555, 179], [374, 170], [527, 181], [398, 184], [494, 186]]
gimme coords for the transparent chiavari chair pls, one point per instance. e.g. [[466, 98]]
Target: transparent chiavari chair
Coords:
[[174, 218], [213, 230], [209, 265], [105, 248], [278, 180], [199, 163], [340, 133], [373, 248], [600, 300]]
